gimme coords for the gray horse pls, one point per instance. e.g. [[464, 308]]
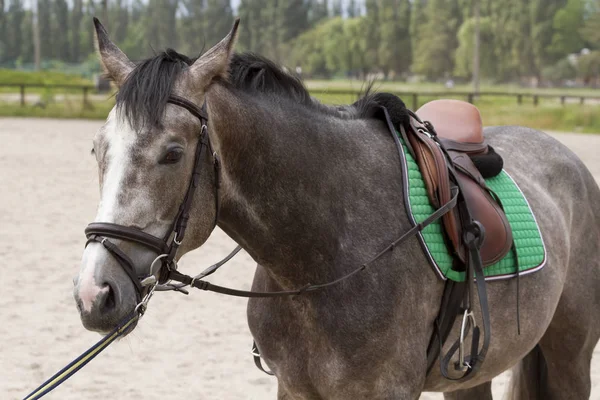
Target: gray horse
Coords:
[[311, 192]]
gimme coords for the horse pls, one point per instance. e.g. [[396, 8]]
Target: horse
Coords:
[[311, 191]]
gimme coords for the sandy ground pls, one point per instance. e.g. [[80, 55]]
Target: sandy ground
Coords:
[[194, 347]]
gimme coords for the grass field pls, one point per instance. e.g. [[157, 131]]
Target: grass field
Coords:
[[549, 114]]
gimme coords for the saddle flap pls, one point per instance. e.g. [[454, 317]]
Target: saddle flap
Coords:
[[434, 166], [498, 238]]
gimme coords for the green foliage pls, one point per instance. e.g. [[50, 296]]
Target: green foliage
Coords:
[[567, 24], [394, 49], [588, 66], [591, 28], [520, 39], [464, 54], [434, 52], [560, 71]]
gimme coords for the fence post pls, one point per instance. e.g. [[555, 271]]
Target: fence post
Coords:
[[562, 100], [415, 101], [470, 97], [536, 100], [582, 100], [519, 99], [22, 87], [85, 96]]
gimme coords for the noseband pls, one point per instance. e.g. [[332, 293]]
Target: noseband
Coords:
[[167, 247]]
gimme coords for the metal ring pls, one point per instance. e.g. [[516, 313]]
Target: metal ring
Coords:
[[154, 262]]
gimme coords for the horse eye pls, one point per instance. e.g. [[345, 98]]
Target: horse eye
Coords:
[[172, 156]]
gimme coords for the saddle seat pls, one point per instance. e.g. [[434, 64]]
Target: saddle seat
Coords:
[[459, 130], [455, 120]]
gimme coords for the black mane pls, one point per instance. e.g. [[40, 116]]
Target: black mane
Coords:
[[253, 73], [144, 95]]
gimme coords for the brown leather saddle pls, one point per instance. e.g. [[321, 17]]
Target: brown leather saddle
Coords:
[[457, 126]]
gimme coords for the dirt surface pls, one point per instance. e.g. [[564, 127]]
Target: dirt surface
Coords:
[[194, 346]]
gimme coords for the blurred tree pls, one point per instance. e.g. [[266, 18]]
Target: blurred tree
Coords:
[[14, 29], [87, 26], [136, 44], [337, 9], [511, 29], [588, 68], [335, 46], [394, 51], [567, 24], [295, 18], [27, 49], [417, 20], [318, 11], [560, 71], [75, 37], [119, 13], [160, 23], [591, 28], [372, 32], [3, 36], [60, 31], [356, 61], [464, 53], [353, 9], [191, 27], [251, 36], [542, 31], [44, 21], [434, 54], [308, 51], [218, 19]]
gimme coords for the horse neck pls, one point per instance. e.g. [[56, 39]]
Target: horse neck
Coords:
[[305, 193]]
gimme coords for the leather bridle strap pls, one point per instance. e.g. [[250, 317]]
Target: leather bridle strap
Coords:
[[177, 276], [166, 251], [116, 231]]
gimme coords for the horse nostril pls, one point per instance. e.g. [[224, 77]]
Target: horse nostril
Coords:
[[107, 301]]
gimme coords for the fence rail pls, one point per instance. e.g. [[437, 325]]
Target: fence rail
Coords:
[[414, 96], [22, 86], [468, 96]]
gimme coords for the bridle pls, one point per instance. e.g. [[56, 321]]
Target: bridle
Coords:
[[168, 246]]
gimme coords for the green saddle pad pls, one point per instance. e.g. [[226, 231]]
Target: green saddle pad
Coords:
[[529, 245]]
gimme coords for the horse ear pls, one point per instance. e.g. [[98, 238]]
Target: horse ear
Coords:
[[115, 63], [215, 62]]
